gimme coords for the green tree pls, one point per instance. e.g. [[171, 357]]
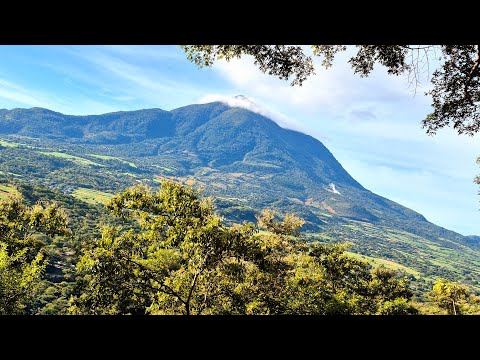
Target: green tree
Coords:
[[182, 260], [449, 295], [289, 226], [170, 266], [472, 307], [391, 293], [22, 259], [342, 284]]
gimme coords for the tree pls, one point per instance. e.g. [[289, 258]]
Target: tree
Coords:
[[22, 259], [170, 266], [456, 84], [327, 281], [289, 226], [181, 259], [391, 293], [472, 307], [354, 288], [449, 295]]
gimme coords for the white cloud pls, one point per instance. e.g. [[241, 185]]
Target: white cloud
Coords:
[[252, 105], [330, 89]]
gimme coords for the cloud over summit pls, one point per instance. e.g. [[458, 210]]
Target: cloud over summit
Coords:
[[252, 105]]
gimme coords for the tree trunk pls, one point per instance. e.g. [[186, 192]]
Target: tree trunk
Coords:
[[454, 309], [187, 303]]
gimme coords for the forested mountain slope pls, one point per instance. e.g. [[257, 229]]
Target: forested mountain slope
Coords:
[[244, 160]]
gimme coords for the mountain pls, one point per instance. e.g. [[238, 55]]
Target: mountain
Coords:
[[244, 160]]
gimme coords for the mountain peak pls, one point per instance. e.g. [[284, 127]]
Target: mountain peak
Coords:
[[245, 102]]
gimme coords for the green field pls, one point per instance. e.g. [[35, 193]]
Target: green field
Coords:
[[9, 144], [76, 159], [163, 168], [376, 262], [261, 164], [91, 196], [106, 157], [7, 191]]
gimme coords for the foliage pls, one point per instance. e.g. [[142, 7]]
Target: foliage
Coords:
[[279, 60], [22, 257], [268, 272], [427, 257], [398, 306], [289, 226], [449, 298], [472, 306], [185, 261], [161, 268], [449, 295], [456, 90]]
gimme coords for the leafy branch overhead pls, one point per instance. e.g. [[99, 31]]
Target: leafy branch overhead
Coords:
[[456, 83]]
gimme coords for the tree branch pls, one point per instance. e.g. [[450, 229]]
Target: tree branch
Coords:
[[168, 290], [187, 303], [416, 47], [472, 73]]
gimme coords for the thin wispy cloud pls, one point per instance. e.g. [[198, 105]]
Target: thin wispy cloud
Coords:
[[145, 83], [26, 97], [125, 71], [146, 52]]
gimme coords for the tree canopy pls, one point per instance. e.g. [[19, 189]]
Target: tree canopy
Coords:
[[456, 83], [449, 295], [23, 231], [169, 253], [182, 259]]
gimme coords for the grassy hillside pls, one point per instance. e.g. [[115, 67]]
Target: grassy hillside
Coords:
[[76, 159], [7, 191], [376, 262], [91, 196], [421, 257]]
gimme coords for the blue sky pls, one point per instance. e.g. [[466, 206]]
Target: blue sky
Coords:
[[371, 125]]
